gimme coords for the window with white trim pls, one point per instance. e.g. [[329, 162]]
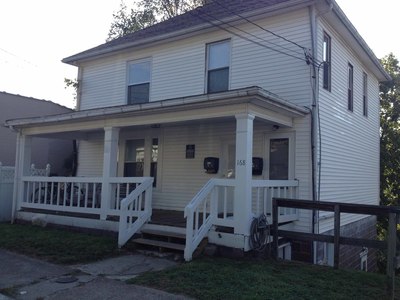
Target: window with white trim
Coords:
[[218, 64], [139, 74], [350, 103], [365, 94], [326, 58]]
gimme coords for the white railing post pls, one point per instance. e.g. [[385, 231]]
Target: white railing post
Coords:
[[111, 136], [22, 168], [214, 204], [189, 235]]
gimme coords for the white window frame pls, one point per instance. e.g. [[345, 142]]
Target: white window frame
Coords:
[[208, 69], [128, 80], [327, 59]]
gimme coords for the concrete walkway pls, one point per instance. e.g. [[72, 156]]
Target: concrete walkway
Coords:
[[22, 277]]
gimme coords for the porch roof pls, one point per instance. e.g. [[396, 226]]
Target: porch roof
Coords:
[[254, 100]]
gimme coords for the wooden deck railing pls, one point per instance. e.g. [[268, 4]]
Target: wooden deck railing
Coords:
[[393, 214]]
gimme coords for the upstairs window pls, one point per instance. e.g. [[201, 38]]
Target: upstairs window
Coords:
[[350, 88], [218, 62], [365, 93], [139, 82], [326, 57]]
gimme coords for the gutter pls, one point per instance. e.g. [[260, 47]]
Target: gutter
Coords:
[[252, 94]]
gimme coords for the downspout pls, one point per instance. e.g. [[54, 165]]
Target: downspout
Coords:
[[314, 123]]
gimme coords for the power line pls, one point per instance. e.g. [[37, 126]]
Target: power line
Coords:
[[249, 33], [18, 57], [255, 24], [245, 38]]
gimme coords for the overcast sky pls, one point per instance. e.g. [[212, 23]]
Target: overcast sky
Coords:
[[36, 34]]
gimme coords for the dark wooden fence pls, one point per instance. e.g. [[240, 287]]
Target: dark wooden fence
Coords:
[[393, 213]]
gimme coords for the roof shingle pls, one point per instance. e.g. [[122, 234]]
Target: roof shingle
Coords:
[[217, 9]]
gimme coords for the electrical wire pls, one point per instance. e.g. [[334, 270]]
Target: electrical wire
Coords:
[[266, 30], [244, 37], [255, 24]]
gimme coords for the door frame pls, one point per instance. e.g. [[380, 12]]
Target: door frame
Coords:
[[290, 135]]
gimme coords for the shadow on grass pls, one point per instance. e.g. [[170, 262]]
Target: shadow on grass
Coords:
[[56, 245], [219, 278]]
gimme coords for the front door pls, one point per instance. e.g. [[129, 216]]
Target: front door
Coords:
[[280, 156]]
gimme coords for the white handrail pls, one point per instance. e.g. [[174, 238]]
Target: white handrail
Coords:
[[205, 203], [131, 207]]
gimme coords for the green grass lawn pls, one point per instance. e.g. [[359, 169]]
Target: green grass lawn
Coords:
[[219, 278], [56, 245], [203, 278]]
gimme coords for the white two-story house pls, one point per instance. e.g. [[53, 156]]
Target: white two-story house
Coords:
[[209, 115]]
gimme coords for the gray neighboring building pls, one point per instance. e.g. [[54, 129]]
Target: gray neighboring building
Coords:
[[53, 151]]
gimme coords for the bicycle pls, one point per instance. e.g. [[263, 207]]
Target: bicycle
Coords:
[[53, 194]]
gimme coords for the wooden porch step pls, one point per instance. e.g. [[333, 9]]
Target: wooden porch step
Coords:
[[163, 233], [160, 244]]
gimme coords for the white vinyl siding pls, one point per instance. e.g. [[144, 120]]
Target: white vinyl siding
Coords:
[[350, 142], [90, 157], [286, 76], [179, 68]]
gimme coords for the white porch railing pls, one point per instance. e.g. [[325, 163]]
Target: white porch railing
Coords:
[[135, 210], [264, 190], [130, 198], [76, 194], [63, 194], [213, 205]]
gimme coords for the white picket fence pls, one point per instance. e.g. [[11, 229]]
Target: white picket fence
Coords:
[[7, 186]]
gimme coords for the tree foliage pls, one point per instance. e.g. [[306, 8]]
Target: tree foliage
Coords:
[[390, 133], [146, 13], [72, 84]]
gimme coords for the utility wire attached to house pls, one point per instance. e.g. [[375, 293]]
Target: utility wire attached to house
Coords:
[[218, 23], [306, 56], [255, 24]]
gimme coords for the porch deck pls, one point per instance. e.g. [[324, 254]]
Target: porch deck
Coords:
[[164, 217]]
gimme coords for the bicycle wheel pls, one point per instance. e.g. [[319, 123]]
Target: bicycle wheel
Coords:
[[40, 195], [77, 197]]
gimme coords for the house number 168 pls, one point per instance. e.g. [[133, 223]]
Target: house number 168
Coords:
[[241, 162]]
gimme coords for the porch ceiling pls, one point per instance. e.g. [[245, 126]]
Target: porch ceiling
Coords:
[[263, 105]]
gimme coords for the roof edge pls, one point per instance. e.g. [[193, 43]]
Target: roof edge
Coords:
[[353, 31], [183, 33], [253, 92]]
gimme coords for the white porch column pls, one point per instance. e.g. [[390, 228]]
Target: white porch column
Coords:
[[22, 168], [243, 175], [111, 137]]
